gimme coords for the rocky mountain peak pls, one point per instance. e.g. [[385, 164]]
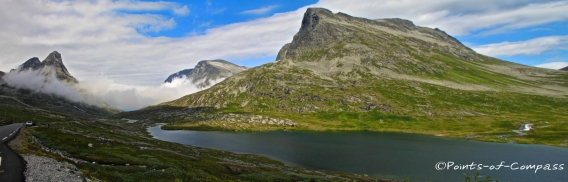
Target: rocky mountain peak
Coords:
[[52, 64], [564, 69], [321, 29], [53, 58], [32, 63]]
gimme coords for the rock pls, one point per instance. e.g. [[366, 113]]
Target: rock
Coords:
[[40, 168]]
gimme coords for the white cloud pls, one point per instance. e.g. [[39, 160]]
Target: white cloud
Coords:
[[102, 90], [528, 47], [554, 65], [260, 10], [181, 10]]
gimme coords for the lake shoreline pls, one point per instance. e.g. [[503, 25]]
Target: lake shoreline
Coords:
[[482, 137]]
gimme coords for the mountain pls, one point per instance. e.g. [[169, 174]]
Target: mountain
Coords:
[[347, 73], [565, 68], [179, 74], [206, 72], [26, 97], [53, 63]]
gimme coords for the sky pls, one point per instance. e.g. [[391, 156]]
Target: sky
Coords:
[[139, 43]]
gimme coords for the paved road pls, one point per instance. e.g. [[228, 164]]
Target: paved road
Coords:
[[11, 164]]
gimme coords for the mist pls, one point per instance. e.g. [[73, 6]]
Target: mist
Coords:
[[100, 90]]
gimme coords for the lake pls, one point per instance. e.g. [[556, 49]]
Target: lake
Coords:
[[384, 155]]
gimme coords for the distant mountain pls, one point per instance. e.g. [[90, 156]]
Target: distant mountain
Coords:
[[565, 68], [206, 72], [349, 73], [53, 63], [179, 74], [32, 99]]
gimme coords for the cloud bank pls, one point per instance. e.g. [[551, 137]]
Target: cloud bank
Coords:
[[101, 91]]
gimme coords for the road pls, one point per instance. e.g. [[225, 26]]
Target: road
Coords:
[[11, 164]]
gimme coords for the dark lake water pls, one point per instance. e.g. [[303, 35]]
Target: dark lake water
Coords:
[[384, 155]]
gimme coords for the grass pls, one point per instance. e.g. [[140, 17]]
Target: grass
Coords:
[[14, 114]]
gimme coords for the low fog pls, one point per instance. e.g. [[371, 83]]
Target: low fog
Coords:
[[101, 90]]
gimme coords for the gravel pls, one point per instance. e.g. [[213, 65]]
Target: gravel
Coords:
[[41, 168]]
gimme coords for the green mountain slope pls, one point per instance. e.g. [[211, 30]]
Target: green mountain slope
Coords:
[[347, 73]]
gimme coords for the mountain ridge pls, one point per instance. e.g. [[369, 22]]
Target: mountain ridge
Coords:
[[52, 64], [564, 69], [206, 72], [293, 55]]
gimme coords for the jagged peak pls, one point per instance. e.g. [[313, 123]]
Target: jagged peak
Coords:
[[53, 57], [33, 60], [32, 63]]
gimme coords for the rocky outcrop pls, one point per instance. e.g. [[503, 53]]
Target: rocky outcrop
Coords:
[[207, 72]]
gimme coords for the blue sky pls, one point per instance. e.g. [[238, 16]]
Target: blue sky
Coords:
[[214, 13]]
